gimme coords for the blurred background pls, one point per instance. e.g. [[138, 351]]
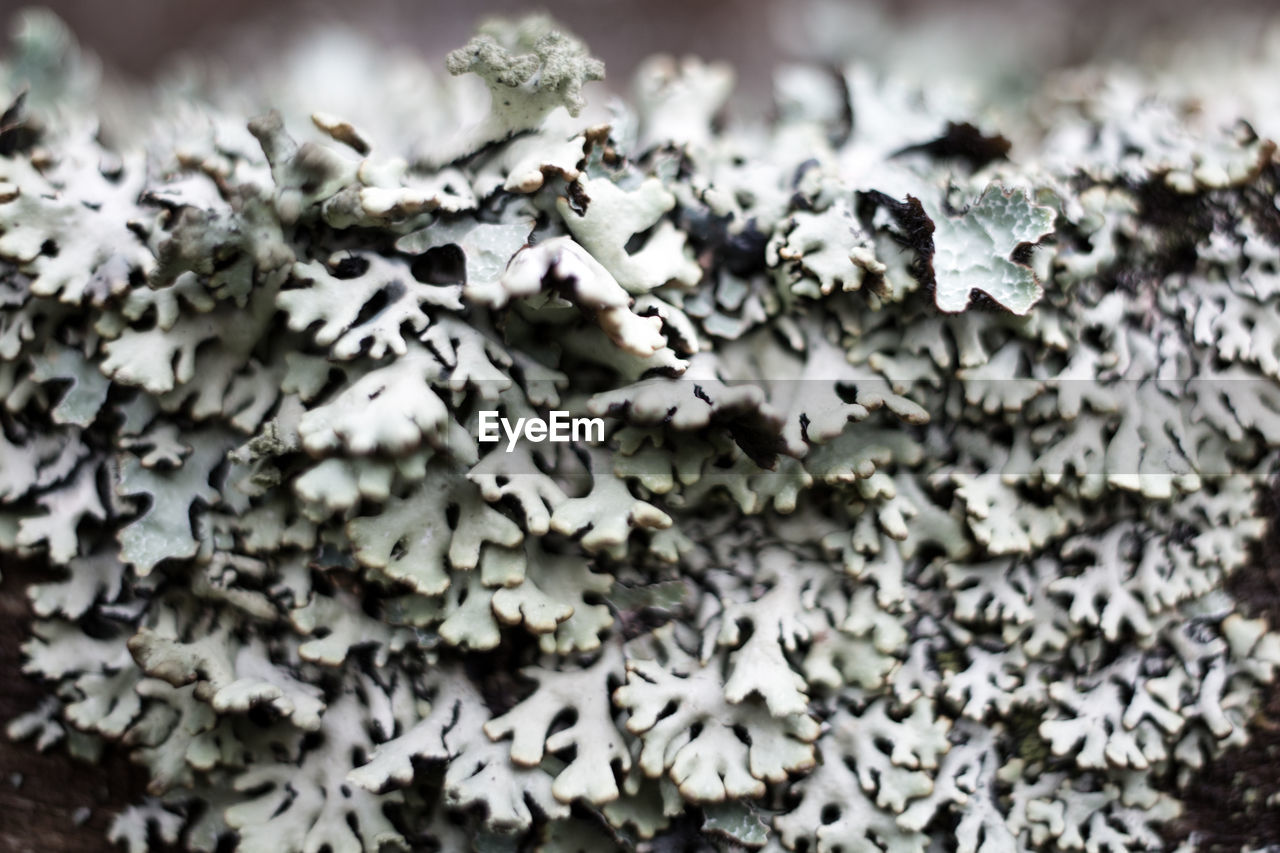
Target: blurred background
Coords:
[[138, 38]]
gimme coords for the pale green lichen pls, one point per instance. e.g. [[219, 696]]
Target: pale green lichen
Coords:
[[922, 482]]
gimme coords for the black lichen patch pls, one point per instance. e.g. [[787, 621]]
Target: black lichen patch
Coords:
[[17, 132], [964, 142], [914, 230]]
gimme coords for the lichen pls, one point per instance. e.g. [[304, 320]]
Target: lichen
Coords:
[[922, 481]]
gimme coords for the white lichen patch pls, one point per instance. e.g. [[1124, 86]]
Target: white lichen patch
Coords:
[[923, 437]]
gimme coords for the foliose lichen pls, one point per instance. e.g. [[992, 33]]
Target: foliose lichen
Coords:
[[922, 480]]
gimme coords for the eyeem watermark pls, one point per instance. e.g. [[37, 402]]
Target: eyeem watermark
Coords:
[[558, 427]]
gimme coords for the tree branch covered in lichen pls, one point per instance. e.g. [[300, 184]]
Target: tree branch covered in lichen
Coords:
[[934, 429]]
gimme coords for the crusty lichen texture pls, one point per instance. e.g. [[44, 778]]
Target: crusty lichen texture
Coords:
[[935, 427]]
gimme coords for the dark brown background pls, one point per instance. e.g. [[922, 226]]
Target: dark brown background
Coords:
[[40, 794], [138, 37]]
